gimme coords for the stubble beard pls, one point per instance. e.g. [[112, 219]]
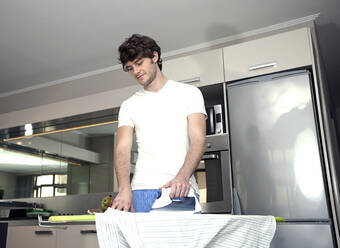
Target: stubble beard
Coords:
[[153, 73]]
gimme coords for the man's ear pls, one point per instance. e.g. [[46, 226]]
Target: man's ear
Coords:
[[155, 57]]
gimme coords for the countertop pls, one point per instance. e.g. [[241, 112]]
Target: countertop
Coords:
[[35, 222]]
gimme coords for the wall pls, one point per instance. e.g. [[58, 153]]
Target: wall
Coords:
[[70, 107], [101, 175], [90, 85], [70, 138], [8, 181], [78, 180], [328, 31], [93, 93]]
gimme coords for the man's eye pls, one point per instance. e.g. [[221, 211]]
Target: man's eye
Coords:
[[139, 62], [128, 68]]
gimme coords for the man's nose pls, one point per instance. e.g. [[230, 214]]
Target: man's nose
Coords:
[[135, 70]]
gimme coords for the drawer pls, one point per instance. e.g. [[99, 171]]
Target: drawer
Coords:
[[30, 236], [199, 69], [84, 236], [217, 142], [274, 53]]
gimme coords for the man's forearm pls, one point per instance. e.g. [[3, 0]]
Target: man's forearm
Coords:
[[122, 167], [123, 201], [192, 158], [196, 129]]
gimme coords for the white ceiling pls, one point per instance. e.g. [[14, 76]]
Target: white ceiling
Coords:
[[42, 41]]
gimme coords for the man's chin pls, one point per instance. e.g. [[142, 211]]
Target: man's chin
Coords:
[[143, 83]]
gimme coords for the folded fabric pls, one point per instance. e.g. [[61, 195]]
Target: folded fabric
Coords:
[[182, 229], [143, 199]]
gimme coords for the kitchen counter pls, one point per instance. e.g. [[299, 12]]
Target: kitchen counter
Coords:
[[20, 222], [35, 222]]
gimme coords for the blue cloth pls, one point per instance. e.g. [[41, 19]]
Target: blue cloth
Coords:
[[144, 199]]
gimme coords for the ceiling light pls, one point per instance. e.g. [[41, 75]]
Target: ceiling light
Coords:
[[28, 129]]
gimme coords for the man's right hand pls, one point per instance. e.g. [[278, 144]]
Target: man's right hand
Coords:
[[123, 201]]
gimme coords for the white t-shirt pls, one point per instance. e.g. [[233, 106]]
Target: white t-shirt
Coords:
[[161, 126]]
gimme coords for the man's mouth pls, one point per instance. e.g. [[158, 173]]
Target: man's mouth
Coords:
[[140, 76]]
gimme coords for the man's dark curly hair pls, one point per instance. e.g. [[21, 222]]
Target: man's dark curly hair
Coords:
[[138, 46]]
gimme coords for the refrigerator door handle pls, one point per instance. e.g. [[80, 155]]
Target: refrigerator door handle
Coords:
[[236, 202]]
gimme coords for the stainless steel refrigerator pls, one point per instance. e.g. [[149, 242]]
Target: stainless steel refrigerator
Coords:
[[276, 157]]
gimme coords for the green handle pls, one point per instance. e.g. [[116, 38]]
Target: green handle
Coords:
[[91, 217], [280, 219], [88, 217]]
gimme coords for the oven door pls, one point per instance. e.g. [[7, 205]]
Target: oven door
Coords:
[[213, 179]]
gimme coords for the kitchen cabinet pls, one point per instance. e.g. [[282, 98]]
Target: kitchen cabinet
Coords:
[[279, 52], [84, 236], [3, 234], [199, 69], [30, 236]]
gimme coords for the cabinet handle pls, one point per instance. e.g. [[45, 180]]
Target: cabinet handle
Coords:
[[191, 80], [43, 232], [209, 156], [262, 66], [87, 231]]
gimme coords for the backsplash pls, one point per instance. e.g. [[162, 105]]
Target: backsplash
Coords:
[[69, 205]]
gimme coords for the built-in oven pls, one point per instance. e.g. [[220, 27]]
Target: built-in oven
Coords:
[[213, 176]]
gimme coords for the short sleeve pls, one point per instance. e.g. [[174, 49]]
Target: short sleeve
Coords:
[[195, 102], [125, 115]]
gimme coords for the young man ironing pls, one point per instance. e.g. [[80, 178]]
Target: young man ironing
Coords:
[[168, 118]]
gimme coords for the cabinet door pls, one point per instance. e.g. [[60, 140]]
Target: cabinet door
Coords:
[[274, 53], [204, 68], [83, 236], [30, 236]]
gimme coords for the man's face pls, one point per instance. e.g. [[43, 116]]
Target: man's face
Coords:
[[143, 69]]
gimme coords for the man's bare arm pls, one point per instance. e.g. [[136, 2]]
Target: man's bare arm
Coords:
[[123, 201], [180, 184]]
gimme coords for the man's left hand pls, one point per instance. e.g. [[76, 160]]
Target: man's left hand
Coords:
[[179, 187]]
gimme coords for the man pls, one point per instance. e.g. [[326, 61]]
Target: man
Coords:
[[169, 120]]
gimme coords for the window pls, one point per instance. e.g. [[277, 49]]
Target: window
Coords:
[[50, 185]]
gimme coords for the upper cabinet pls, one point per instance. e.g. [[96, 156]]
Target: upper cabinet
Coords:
[[199, 69], [269, 54]]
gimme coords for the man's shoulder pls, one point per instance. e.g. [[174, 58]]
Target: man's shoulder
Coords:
[[183, 86], [131, 99]]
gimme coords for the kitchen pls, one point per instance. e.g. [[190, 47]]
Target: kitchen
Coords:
[[211, 59]]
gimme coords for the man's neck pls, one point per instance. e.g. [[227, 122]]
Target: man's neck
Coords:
[[158, 83]]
